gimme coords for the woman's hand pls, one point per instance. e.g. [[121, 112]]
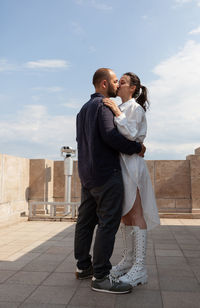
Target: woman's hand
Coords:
[[112, 105]]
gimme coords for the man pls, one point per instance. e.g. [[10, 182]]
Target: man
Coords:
[[99, 144]]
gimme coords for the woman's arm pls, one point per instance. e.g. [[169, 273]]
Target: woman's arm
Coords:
[[127, 125]]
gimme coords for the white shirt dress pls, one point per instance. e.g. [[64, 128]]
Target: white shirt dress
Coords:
[[132, 124]]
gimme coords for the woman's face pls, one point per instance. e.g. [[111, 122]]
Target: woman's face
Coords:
[[125, 90]]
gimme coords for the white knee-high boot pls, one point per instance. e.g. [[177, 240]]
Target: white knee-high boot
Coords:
[[127, 261], [138, 273]]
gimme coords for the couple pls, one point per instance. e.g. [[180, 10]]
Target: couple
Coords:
[[115, 183]]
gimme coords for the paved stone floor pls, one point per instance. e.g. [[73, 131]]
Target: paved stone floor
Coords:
[[37, 268]]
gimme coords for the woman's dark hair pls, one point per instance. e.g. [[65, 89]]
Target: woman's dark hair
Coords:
[[140, 97]]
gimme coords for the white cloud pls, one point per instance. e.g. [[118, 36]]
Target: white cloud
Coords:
[[52, 64], [47, 64], [77, 28], [73, 103], [182, 2], [35, 128], [5, 66], [174, 115], [195, 31], [100, 6], [49, 89]]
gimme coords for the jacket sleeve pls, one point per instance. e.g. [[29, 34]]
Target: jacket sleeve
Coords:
[[111, 135]]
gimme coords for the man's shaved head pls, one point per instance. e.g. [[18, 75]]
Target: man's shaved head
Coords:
[[101, 74]]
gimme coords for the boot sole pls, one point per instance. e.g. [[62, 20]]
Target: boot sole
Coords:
[[112, 292], [83, 277], [139, 281]]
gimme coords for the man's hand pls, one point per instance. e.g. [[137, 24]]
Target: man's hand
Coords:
[[142, 151], [112, 105]]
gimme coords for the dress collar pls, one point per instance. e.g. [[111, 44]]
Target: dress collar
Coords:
[[129, 102]]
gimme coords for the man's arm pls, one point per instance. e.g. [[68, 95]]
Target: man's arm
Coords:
[[111, 135]]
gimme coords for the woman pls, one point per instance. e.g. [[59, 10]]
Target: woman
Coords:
[[139, 209]]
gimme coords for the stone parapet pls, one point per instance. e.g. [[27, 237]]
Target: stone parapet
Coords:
[[195, 180], [14, 183], [176, 184]]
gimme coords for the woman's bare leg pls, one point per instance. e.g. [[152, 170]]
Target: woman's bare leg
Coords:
[[135, 216]]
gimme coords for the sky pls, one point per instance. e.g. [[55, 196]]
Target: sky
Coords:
[[50, 49]]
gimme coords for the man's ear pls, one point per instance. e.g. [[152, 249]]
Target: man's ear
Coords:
[[104, 84]]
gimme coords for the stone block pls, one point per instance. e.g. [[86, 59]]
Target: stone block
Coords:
[[196, 203], [24, 179], [41, 180], [151, 168], [15, 178], [1, 178], [37, 178], [49, 180], [183, 203], [165, 203], [193, 157], [76, 184], [195, 168], [59, 181], [195, 188], [197, 151], [172, 179]]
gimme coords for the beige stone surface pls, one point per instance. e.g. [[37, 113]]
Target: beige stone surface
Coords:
[[172, 179], [151, 168], [195, 168], [15, 180], [76, 185], [193, 157], [165, 203], [196, 203], [195, 184], [59, 181], [49, 180], [41, 179], [197, 151], [1, 178], [37, 177], [14, 183], [183, 203]]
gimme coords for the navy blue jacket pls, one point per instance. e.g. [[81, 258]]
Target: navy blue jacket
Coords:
[[99, 143]]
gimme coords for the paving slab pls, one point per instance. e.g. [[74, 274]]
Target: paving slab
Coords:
[[37, 268]]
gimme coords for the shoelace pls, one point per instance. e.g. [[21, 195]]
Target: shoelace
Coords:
[[113, 280]]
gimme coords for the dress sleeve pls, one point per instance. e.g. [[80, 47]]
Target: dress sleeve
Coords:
[[129, 125]]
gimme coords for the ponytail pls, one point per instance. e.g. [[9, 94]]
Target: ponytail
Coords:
[[142, 99], [140, 93]]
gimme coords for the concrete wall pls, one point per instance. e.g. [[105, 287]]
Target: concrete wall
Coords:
[[14, 183]]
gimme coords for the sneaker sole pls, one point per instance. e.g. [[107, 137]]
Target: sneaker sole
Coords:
[[82, 278], [112, 292]]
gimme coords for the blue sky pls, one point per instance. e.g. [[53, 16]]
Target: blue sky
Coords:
[[49, 50]]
